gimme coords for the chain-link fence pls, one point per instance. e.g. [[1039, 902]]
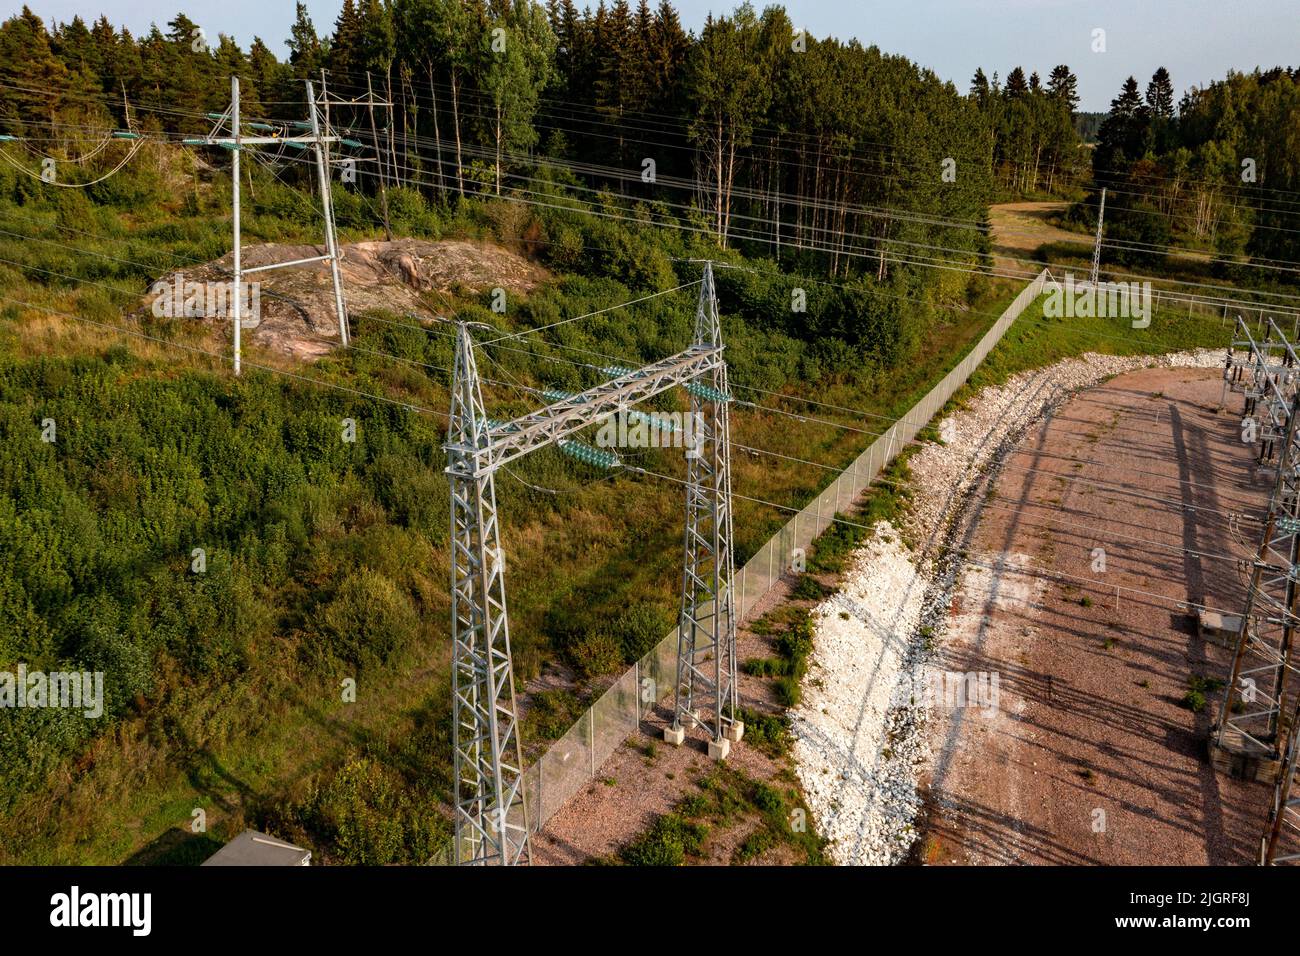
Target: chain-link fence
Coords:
[[572, 761]]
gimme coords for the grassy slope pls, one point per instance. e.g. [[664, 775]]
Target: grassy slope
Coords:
[[262, 748]]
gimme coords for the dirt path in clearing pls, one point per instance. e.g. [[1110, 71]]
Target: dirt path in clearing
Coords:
[[1019, 228]]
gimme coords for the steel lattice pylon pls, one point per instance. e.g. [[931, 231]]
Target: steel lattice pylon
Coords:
[[1254, 731], [319, 138], [1096, 248], [491, 825], [1248, 722], [1267, 382], [492, 819], [706, 640]]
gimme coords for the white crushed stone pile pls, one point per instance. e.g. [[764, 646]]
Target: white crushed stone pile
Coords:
[[860, 786], [861, 739]]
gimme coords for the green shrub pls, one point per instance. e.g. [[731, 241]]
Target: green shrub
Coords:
[[367, 621], [639, 630], [550, 714], [765, 667], [755, 845], [669, 841], [768, 732], [599, 652], [787, 691], [808, 588], [369, 818]]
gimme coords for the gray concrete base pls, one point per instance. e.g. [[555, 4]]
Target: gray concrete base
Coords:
[[675, 735], [736, 732], [719, 749]]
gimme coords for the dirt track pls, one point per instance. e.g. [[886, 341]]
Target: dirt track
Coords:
[[1019, 228], [1091, 686]]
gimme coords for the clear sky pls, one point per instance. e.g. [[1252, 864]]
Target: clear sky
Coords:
[[1198, 40]]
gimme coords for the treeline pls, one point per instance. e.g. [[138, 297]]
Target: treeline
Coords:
[[1033, 141], [818, 153], [1214, 173]]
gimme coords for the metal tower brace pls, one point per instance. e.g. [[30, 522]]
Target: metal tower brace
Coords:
[[1281, 840], [1096, 249], [1276, 400], [491, 825], [492, 821], [327, 209], [706, 638], [1255, 374], [1248, 721]]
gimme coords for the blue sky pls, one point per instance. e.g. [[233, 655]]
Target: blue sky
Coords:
[[1198, 40]]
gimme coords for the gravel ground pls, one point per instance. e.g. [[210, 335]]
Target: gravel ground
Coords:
[[1092, 758], [868, 739], [872, 721]]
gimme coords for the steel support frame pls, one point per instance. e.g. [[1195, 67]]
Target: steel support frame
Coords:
[[1281, 841], [1253, 702], [491, 822], [1251, 721], [705, 689], [559, 420], [236, 142]]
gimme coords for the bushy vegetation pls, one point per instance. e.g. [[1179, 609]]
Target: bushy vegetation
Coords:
[[1199, 688], [792, 628], [727, 797], [324, 559], [668, 842]]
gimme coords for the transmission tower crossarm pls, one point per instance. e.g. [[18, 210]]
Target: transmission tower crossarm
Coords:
[[512, 440]]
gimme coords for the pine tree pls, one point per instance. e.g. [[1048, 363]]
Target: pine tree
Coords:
[[669, 45], [1123, 131], [1160, 94], [306, 54], [346, 53], [1016, 85], [35, 80], [269, 76], [1063, 86]]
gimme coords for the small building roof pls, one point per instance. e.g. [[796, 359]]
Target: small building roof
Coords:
[[251, 848]]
